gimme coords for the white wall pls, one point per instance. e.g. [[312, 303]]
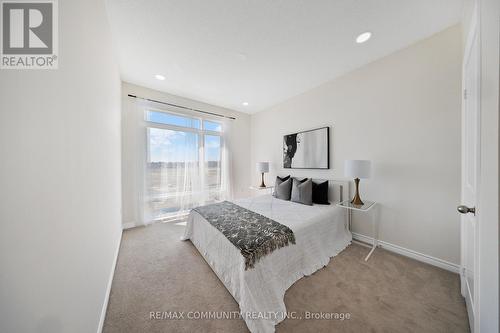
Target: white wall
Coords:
[[60, 192], [239, 140], [403, 113]]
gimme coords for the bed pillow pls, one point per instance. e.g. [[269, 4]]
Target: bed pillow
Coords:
[[302, 191], [282, 179], [283, 188], [320, 193]]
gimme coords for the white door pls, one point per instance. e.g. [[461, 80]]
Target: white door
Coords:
[[470, 176]]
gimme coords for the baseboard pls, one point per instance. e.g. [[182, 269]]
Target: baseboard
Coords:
[[410, 253], [108, 289], [128, 225]]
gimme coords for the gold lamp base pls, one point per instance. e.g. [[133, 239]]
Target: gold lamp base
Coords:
[[262, 183], [357, 199]]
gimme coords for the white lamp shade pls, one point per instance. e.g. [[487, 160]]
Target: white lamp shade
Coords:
[[262, 167], [357, 168]]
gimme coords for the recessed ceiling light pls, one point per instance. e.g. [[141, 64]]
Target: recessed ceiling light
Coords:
[[159, 77], [363, 37], [245, 103]]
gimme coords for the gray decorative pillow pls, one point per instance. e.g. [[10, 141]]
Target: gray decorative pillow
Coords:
[[302, 191], [283, 188]]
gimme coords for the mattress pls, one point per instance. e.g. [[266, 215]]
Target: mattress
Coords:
[[320, 232]]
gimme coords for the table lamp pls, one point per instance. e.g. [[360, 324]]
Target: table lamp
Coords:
[[357, 169], [262, 167]]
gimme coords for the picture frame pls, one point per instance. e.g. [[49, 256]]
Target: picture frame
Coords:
[[308, 149]]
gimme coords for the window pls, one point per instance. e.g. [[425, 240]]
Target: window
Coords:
[[171, 170], [184, 164], [171, 119], [213, 166], [212, 126]]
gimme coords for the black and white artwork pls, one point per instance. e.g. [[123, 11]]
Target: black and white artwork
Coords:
[[307, 150]]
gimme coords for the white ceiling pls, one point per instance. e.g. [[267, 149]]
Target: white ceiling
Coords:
[[225, 52]]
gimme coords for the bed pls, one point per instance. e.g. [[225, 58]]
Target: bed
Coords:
[[321, 232]]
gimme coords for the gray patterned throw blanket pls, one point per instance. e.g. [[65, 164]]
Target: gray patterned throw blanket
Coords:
[[253, 234]]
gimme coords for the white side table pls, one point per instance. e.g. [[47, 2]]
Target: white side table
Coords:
[[368, 205], [258, 188]]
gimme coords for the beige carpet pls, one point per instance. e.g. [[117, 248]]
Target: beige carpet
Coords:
[[389, 293]]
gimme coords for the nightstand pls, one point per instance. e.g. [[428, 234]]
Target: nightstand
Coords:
[[258, 188], [366, 207]]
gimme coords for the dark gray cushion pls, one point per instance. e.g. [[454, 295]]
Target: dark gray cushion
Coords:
[[283, 188], [302, 191], [280, 180]]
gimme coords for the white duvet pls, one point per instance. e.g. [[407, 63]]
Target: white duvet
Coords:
[[320, 233]]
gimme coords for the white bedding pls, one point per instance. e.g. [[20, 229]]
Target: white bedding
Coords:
[[320, 233]]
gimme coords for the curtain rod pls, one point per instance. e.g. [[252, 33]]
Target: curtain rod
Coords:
[[182, 107]]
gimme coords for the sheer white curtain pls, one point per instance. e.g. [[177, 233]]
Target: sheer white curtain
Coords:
[[133, 166], [171, 168], [173, 176], [226, 168]]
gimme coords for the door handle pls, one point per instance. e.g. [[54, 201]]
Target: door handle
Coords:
[[464, 209]]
